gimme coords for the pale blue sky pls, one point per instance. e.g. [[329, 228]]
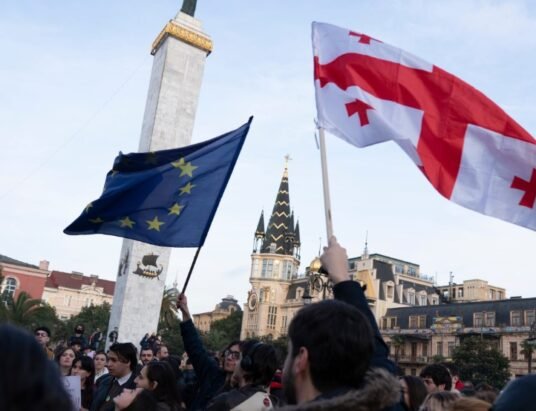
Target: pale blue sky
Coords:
[[74, 78]]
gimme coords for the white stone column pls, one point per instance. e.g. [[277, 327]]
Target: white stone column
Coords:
[[179, 53]]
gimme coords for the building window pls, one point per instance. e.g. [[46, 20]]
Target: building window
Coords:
[[272, 317], [392, 322], [478, 319], [515, 318], [413, 321], [399, 269], [425, 349], [412, 271], [459, 293], [10, 286], [439, 348], [530, 317], [450, 348], [255, 268], [489, 319], [284, 324], [252, 321], [390, 291], [423, 299], [422, 321], [287, 270], [513, 351], [434, 300], [411, 297], [267, 268]]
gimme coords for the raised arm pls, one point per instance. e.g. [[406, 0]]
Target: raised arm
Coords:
[[335, 262], [202, 362]]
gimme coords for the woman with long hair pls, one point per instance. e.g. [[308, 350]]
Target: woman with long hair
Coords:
[[413, 391], [64, 358], [99, 361], [156, 390], [84, 368]]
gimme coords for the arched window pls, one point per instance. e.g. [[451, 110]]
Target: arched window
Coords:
[[10, 286]]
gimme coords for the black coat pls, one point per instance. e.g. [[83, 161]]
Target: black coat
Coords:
[[230, 399], [103, 387], [211, 378]]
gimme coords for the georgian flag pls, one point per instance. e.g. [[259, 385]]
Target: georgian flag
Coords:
[[470, 150]]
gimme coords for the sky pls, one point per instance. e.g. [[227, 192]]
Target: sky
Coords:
[[74, 78]]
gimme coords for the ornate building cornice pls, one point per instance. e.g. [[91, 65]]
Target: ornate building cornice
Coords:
[[184, 34]]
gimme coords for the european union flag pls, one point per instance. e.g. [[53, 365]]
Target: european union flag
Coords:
[[167, 197]]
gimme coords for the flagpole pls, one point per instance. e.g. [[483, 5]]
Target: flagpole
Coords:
[[191, 270], [325, 183]]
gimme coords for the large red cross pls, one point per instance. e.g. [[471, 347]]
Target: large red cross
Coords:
[[449, 105], [529, 187]]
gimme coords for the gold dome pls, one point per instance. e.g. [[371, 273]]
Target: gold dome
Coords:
[[315, 265]]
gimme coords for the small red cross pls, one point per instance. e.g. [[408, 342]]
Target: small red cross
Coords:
[[359, 107], [529, 187], [363, 38]]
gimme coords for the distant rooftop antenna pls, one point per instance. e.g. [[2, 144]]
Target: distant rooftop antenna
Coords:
[[365, 250]]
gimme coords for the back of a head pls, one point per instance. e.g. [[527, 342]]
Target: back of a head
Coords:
[[439, 401], [439, 374], [259, 362], [126, 352], [416, 391], [144, 401], [519, 395], [166, 390], [470, 404], [337, 337], [28, 380]]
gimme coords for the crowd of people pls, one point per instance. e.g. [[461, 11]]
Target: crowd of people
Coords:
[[336, 360]]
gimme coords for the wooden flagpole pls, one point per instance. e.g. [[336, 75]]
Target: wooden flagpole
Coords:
[[325, 183]]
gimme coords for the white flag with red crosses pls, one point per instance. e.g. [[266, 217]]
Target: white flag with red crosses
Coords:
[[470, 150]]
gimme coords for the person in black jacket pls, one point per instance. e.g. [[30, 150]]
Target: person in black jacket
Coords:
[[212, 379], [254, 373], [122, 362], [337, 359]]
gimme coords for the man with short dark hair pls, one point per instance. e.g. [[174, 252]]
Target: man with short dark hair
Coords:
[[146, 355], [162, 352], [436, 377], [122, 361], [42, 335], [336, 357]]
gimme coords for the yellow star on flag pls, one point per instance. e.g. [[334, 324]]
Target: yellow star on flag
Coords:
[[178, 163], [97, 220], [186, 168], [175, 209], [127, 222], [86, 210], [187, 188], [154, 224]]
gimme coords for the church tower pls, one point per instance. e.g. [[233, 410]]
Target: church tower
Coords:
[[274, 263]]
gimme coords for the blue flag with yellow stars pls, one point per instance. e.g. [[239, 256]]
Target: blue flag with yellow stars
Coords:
[[166, 198]]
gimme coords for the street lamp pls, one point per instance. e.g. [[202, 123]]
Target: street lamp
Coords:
[[307, 297]]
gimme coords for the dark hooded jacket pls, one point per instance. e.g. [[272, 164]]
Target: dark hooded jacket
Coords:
[[381, 391]]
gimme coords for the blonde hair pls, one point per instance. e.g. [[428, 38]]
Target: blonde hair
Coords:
[[470, 404], [439, 401]]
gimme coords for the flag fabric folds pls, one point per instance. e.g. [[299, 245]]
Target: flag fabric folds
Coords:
[[166, 198], [471, 151]]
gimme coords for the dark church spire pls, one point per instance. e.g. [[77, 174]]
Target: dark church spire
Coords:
[[280, 235], [259, 233]]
